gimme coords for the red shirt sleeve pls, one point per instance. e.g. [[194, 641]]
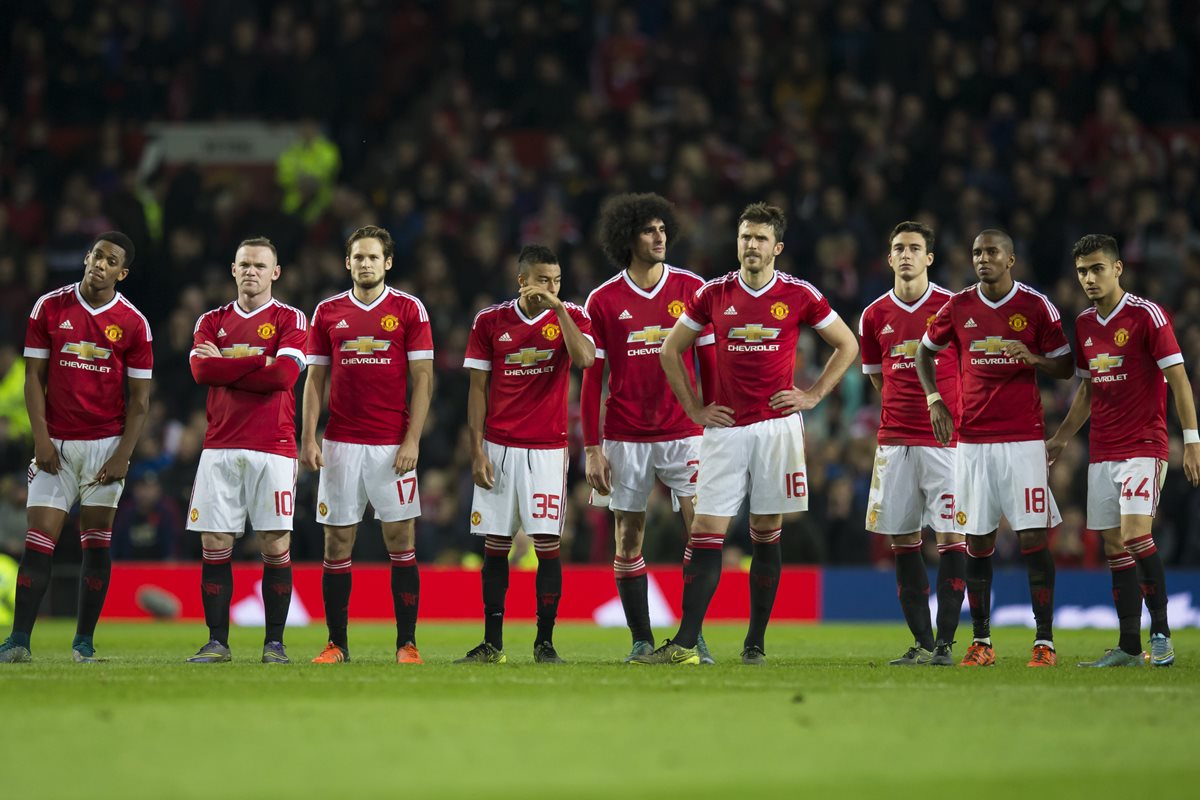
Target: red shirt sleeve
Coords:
[[817, 311], [479, 344], [274, 378], [318, 348], [697, 309], [418, 335], [1081, 366], [872, 354], [293, 335], [1050, 336], [139, 360], [218, 371], [1163, 345], [597, 329], [37, 334], [582, 320], [941, 330]]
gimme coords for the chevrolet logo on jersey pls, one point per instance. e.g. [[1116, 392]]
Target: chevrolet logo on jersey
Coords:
[[906, 349], [650, 335], [753, 332], [1104, 362], [992, 345], [86, 351], [528, 356], [365, 345], [241, 351]]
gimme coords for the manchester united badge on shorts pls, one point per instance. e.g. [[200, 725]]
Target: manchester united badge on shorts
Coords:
[[323, 509], [961, 518], [195, 515], [476, 518]]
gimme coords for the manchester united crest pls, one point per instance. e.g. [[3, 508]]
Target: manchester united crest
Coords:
[[476, 518], [266, 330], [389, 323], [1018, 322], [1121, 337], [675, 308], [779, 310], [961, 518], [929, 321], [113, 333], [195, 515], [551, 331], [323, 509]]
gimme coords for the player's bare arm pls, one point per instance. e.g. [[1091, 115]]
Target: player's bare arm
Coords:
[[845, 350], [876, 381], [45, 454], [674, 346], [579, 347], [477, 401], [1060, 367], [939, 414], [315, 388], [421, 379], [597, 470], [1185, 408], [1081, 409], [137, 408]]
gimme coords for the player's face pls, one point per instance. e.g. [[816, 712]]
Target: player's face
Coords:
[[254, 269], [650, 243], [543, 276], [908, 257], [103, 266], [366, 263], [1099, 275], [993, 258], [757, 247]]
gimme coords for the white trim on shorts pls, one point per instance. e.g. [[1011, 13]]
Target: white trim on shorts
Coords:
[[355, 474]]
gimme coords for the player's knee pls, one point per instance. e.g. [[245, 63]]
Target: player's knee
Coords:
[[630, 533], [400, 535], [339, 543], [275, 543], [1032, 540], [906, 540]]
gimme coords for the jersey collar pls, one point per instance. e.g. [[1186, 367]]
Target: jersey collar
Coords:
[[649, 295], [525, 319], [248, 314], [979, 291], [101, 309], [386, 291], [757, 292], [916, 305], [1116, 310]]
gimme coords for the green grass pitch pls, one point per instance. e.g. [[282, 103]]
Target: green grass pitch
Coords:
[[826, 714]]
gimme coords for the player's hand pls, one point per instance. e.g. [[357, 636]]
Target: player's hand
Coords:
[[538, 297], [1021, 353], [1191, 463], [789, 401], [943, 422], [270, 360], [1054, 448], [713, 416], [45, 457], [406, 457], [207, 350], [113, 471], [597, 470], [310, 456], [481, 471]]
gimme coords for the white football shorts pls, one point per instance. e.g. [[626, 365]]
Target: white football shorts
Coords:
[[764, 459], [80, 461], [232, 485], [1123, 488], [635, 465], [357, 473], [911, 488], [1003, 478], [530, 492]]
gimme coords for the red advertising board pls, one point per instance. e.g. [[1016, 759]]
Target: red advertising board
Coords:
[[589, 593]]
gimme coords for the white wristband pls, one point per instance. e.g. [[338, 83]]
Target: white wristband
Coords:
[[932, 398], [1191, 436]]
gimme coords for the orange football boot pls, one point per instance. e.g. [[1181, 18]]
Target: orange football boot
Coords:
[[332, 654], [408, 654], [979, 655], [1043, 656]]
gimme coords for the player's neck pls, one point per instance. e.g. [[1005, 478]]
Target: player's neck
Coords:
[[996, 291], [757, 280], [368, 296], [253, 302], [910, 291], [529, 313], [646, 276], [1105, 305], [96, 299]]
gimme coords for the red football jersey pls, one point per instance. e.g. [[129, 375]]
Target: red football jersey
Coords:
[[629, 324], [527, 395], [244, 420], [90, 351], [1000, 398], [891, 332], [1124, 356], [367, 350], [756, 333]]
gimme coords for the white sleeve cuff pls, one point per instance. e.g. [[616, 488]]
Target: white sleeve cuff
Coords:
[[1083, 373], [37, 352], [937, 348], [1062, 351], [420, 355], [292, 352], [1170, 361], [706, 340], [600, 353], [477, 363], [872, 369], [318, 361], [691, 323], [588, 336], [140, 374], [825, 323]]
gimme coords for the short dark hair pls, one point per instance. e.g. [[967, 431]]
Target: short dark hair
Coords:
[[909, 226], [122, 241], [372, 232], [260, 241], [765, 214], [1096, 241], [625, 215], [1002, 235], [535, 254]]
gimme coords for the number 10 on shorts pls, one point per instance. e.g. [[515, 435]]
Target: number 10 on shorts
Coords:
[[795, 485]]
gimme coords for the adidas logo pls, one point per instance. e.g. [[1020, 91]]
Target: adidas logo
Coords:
[[504, 337], [625, 315], [887, 329], [1088, 343], [66, 325], [341, 324], [970, 324], [221, 332], [731, 311]]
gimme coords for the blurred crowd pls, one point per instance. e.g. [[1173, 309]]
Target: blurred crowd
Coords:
[[471, 127]]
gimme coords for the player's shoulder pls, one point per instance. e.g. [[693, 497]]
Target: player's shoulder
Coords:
[[289, 314], [495, 311], [876, 306], [603, 291], [1037, 300], [717, 284], [1088, 315], [408, 301], [576, 310], [800, 286], [939, 293], [332, 303], [1148, 309], [132, 311], [684, 276], [54, 299], [215, 315]]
